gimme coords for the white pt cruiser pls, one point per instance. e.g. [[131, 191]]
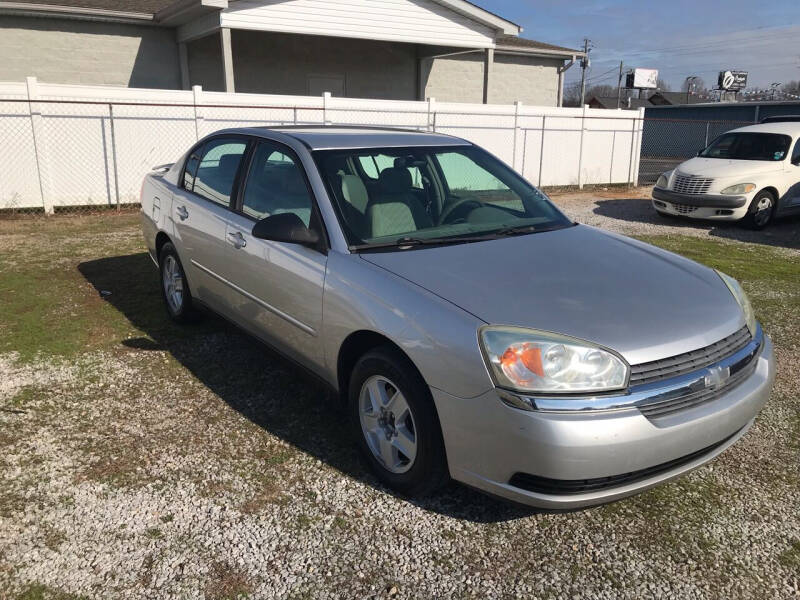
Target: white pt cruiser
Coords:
[[751, 173]]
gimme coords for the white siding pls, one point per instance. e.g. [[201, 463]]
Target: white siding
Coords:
[[414, 21]]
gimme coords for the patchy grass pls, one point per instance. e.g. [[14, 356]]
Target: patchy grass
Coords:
[[37, 591], [199, 430], [227, 582], [791, 557]]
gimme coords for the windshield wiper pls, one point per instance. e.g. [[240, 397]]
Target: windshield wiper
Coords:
[[416, 241], [523, 229]]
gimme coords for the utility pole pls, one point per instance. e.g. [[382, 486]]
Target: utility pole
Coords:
[[690, 86], [619, 85], [584, 65]]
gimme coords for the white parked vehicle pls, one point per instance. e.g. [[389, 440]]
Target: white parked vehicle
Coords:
[[751, 173]]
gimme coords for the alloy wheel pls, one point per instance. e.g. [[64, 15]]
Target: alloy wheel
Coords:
[[172, 279], [388, 424]]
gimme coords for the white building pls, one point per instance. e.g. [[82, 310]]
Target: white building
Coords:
[[389, 49]]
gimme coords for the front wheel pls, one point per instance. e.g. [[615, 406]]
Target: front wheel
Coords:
[[395, 422], [761, 210]]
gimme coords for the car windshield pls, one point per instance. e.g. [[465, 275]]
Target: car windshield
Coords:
[[403, 197], [749, 146]]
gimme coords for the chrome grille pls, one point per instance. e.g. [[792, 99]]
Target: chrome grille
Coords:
[[690, 361], [661, 409], [690, 184], [684, 209]]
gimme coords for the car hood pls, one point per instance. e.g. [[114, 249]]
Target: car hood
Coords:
[[641, 301], [721, 167]]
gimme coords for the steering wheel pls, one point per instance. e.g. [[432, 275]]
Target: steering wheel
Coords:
[[448, 212]]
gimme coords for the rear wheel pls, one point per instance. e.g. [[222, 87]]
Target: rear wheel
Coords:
[[761, 210], [395, 422], [174, 287]]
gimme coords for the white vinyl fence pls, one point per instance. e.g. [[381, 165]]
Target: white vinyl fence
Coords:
[[75, 146]]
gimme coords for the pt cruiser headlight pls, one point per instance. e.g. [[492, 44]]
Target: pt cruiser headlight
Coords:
[[663, 181], [738, 293], [526, 360], [740, 188]]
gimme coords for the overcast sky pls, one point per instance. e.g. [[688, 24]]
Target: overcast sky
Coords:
[[677, 37]]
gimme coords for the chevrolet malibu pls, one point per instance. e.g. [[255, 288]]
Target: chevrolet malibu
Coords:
[[471, 329]]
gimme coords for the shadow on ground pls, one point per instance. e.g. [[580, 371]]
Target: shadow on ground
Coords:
[[783, 232], [267, 389]]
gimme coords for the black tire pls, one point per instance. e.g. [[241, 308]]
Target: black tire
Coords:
[[428, 471], [758, 216], [184, 313]]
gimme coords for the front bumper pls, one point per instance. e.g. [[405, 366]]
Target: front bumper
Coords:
[[699, 200], [488, 442]]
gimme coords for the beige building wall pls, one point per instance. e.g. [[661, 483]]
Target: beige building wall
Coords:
[[278, 63], [531, 80], [88, 53]]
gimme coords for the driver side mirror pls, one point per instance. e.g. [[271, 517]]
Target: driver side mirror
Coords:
[[286, 227]]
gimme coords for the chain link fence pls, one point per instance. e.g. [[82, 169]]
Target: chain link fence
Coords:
[[668, 142], [75, 150]]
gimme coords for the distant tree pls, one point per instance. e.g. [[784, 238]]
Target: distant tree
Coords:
[[698, 85]]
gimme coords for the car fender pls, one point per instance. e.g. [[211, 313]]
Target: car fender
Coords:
[[439, 338]]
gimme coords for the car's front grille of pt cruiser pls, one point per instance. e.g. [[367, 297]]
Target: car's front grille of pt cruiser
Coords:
[[689, 361], [689, 184]]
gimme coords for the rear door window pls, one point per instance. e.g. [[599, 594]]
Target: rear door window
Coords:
[[217, 166]]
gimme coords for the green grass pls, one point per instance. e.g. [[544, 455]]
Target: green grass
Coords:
[[791, 557], [37, 591]]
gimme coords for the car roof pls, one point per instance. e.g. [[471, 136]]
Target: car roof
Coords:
[[785, 128], [328, 137]]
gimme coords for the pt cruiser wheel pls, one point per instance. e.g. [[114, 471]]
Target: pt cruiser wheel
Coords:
[[395, 422], [174, 287], [761, 209]]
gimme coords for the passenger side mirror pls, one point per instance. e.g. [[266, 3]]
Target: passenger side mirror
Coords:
[[285, 227]]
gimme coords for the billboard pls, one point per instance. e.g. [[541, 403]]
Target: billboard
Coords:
[[732, 81], [642, 79]]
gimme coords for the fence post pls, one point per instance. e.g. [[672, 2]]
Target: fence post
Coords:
[[197, 92], [541, 149], [580, 152], [39, 144], [517, 107], [326, 98], [708, 125], [633, 149], [432, 114], [114, 152]]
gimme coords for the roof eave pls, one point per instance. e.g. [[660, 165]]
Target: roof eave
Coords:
[[476, 13], [550, 53], [75, 12], [184, 11]]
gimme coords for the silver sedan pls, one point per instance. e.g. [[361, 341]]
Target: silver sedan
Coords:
[[471, 330]]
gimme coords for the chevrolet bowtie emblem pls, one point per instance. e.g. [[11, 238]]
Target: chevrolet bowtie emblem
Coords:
[[716, 377]]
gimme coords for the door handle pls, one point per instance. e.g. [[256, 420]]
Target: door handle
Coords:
[[182, 213], [238, 239]]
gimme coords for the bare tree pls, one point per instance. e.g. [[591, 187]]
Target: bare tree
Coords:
[[698, 85]]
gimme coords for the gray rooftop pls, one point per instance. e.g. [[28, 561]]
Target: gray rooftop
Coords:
[[334, 137]]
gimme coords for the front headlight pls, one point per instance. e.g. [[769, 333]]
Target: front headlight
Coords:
[[739, 188], [527, 360], [663, 181], [738, 293]]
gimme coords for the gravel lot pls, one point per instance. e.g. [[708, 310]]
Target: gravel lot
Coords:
[[143, 460]]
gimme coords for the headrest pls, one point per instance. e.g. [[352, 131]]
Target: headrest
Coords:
[[228, 163], [355, 192], [395, 179]]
